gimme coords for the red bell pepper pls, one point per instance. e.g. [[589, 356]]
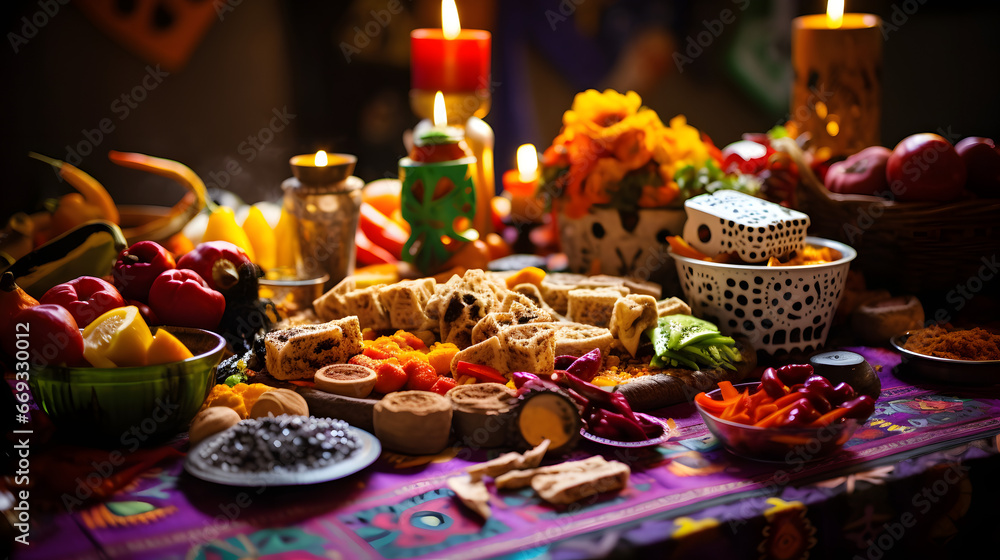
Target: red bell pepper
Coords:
[[182, 298], [86, 298], [480, 372], [217, 262], [382, 231], [138, 266]]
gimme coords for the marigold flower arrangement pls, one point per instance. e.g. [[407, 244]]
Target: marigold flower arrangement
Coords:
[[613, 152]]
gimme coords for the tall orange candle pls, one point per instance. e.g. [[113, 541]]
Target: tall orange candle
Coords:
[[837, 91]]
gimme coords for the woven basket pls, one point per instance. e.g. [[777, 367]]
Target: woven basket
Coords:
[[918, 247]]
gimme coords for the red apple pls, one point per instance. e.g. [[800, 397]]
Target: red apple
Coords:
[[925, 167], [982, 163], [862, 173]]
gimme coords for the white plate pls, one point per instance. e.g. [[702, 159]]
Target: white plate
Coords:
[[366, 455]]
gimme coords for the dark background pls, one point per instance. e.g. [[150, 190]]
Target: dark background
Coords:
[[261, 56]]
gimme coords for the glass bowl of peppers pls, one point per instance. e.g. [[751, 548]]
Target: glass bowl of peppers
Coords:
[[130, 406], [791, 415]]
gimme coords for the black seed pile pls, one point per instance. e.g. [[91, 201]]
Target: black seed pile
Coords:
[[283, 443]]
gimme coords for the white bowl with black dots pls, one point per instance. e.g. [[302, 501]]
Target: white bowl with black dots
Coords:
[[779, 308]]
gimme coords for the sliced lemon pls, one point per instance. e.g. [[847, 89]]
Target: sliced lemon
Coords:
[[119, 338], [165, 349]]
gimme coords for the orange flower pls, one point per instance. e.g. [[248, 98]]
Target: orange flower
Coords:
[[592, 110], [630, 148], [605, 136], [603, 180], [656, 197]]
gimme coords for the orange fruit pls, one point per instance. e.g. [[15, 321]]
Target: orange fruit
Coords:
[[166, 348], [119, 338], [384, 194]]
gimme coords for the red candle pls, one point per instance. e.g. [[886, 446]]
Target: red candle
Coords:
[[524, 180], [451, 59], [521, 183]]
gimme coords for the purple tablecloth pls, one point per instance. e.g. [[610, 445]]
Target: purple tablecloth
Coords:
[[681, 493]]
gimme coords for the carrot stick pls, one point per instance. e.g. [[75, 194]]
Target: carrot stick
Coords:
[[763, 410], [787, 399], [741, 418], [830, 417], [710, 404], [728, 391], [682, 248], [772, 419]]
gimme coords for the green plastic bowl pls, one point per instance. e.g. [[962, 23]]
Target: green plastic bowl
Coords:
[[134, 406]]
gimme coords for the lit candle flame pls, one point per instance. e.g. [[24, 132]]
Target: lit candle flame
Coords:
[[440, 113], [320, 160], [449, 19], [527, 163], [834, 13]]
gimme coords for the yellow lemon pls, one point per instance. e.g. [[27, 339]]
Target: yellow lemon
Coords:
[[165, 349], [119, 338]]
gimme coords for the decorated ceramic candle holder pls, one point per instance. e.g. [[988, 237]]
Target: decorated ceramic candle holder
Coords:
[[437, 199]]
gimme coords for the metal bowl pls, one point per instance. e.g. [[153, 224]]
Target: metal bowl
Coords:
[[944, 370]]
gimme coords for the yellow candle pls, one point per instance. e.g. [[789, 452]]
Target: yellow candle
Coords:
[[837, 91]]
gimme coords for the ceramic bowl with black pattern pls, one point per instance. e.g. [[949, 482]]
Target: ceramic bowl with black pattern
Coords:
[[779, 308]]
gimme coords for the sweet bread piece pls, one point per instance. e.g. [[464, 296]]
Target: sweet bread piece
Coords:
[[555, 289], [530, 347], [515, 314], [566, 488], [531, 292], [510, 462], [576, 339], [592, 307], [488, 353], [413, 422], [672, 306], [513, 480], [632, 315], [345, 299], [364, 303], [461, 302], [332, 304], [297, 353], [472, 493], [405, 302], [528, 313], [491, 325]]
